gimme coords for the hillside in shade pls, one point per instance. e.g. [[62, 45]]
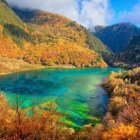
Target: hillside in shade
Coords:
[[43, 38], [131, 55], [118, 36]]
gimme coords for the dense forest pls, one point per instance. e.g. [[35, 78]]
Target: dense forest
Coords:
[[47, 39]]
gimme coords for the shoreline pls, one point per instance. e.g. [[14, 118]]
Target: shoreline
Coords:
[[37, 68], [9, 66]]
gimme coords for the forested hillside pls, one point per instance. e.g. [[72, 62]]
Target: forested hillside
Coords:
[[47, 39]]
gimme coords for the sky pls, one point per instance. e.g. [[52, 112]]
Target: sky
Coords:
[[88, 13]]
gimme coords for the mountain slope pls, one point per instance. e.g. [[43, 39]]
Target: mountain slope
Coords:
[[12, 26], [131, 55], [48, 40], [118, 36], [56, 26], [8, 16]]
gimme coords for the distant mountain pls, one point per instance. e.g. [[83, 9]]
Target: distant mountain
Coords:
[[118, 36], [131, 55], [43, 38]]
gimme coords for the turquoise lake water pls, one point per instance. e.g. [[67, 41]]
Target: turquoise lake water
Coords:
[[75, 92]]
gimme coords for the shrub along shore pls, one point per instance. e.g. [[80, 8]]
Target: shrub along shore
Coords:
[[124, 104]]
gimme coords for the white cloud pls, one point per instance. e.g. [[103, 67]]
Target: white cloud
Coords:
[[95, 12], [91, 13], [132, 16]]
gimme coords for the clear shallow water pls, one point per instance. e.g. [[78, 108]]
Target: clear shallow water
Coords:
[[75, 92]]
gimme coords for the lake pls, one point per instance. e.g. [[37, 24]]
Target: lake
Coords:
[[75, 92]]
